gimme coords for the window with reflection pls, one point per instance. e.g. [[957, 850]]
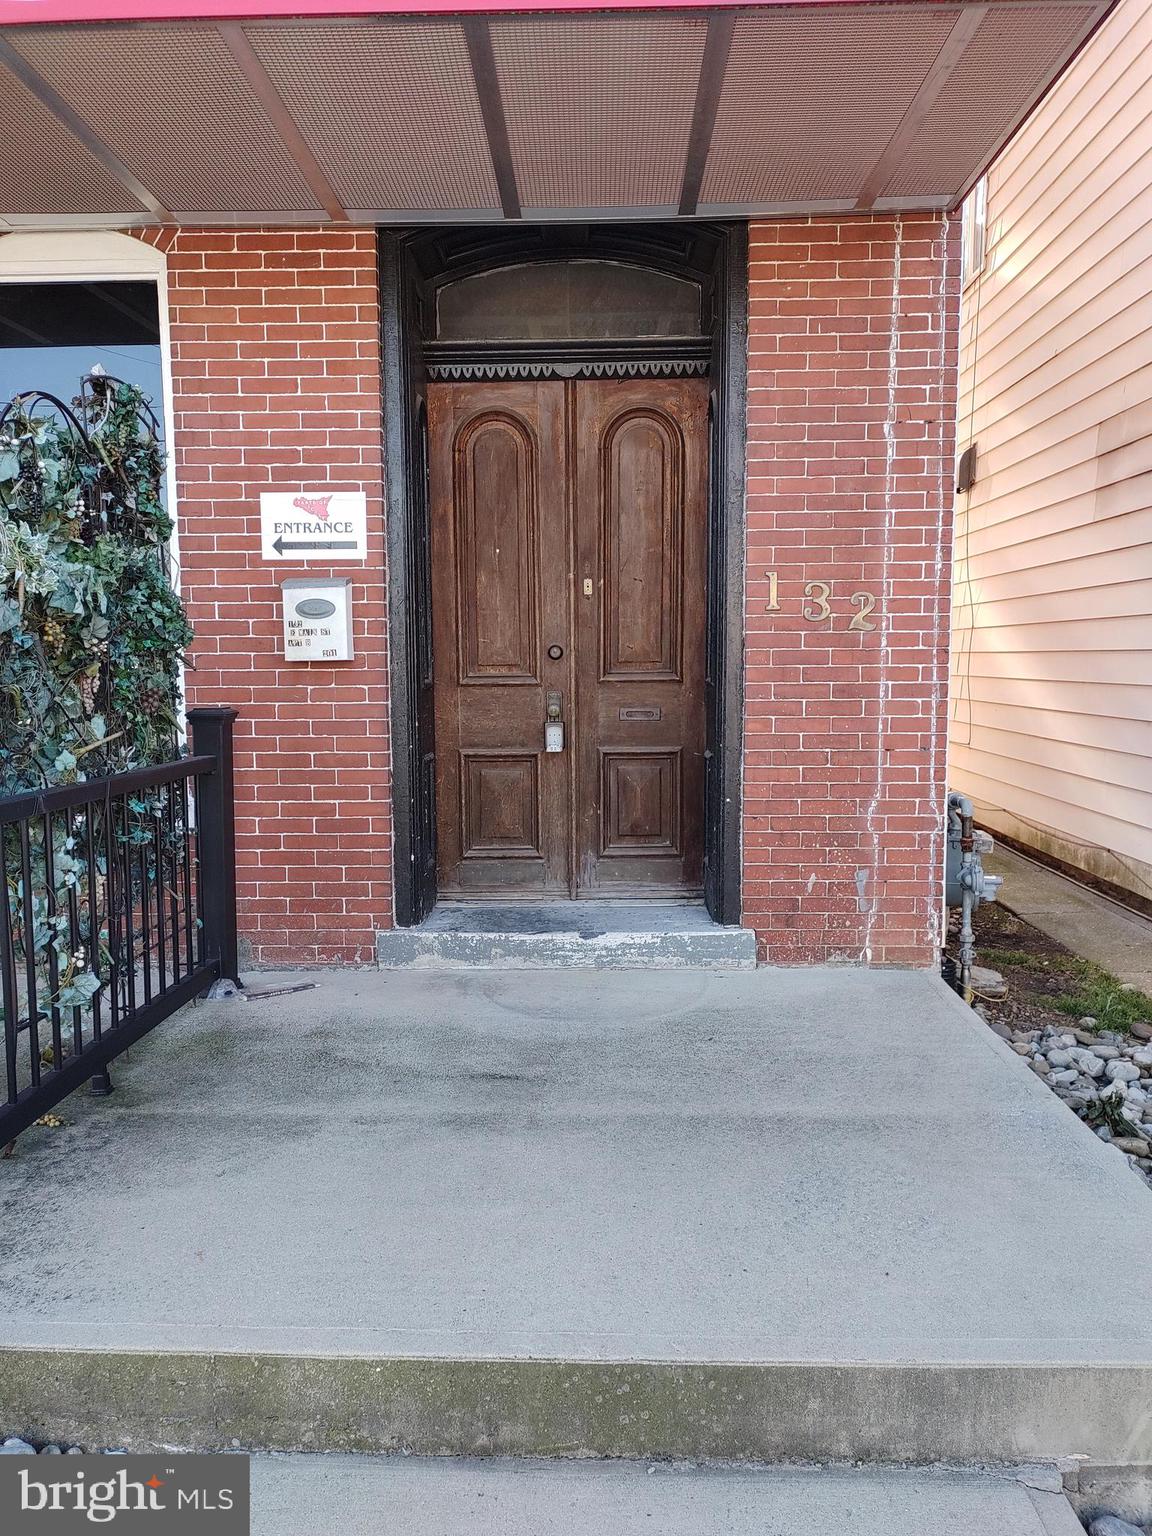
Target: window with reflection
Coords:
[[569, 301]]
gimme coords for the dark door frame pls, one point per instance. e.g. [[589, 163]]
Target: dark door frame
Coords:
[[413, 262]]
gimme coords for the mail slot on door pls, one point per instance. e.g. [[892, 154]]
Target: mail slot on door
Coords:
[[639, 712]]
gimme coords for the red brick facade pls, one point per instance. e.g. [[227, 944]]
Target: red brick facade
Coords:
[[276, 383], [852, 366], [276, 377]]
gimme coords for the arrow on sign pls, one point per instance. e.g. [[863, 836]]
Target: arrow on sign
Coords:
[[280, 545]]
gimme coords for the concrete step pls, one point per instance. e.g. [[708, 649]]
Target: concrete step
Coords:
[[147, 1398], [365, 1496], [565, 935]]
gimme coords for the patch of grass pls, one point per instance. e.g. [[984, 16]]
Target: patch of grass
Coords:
[[1002, 957], [1101, 996]]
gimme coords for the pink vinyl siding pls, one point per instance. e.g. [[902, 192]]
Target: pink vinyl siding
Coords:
[[1051, 712]]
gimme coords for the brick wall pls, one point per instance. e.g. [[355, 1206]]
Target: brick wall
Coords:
[[276, 384], [851, 394]]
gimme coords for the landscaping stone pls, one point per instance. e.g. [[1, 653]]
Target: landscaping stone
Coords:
[[14, 1446], [1089, 1063], [991, 983], [1102, 1074], [1112, 1525], [1121, 1072]]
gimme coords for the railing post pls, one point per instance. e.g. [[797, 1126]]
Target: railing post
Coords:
[[211, 731]]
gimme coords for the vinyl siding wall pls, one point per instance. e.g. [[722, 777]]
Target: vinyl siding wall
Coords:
[[1051, 711]]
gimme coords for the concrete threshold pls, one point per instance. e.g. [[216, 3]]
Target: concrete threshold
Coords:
[[582, 935]]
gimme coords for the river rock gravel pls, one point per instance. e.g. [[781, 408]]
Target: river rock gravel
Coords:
[[1104, 1078]]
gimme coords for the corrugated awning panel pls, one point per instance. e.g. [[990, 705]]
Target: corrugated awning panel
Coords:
[[172, 102], [599, 108], [581, 115], [389, 109], [1013, 56], [801, 121], [46, 170]]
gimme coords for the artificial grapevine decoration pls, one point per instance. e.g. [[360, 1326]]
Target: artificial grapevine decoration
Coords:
[[91, 632]]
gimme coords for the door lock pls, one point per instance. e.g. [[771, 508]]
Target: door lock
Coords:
[[554, 724]]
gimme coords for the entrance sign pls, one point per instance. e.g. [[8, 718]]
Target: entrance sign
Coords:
[[317, 619], [298, 526]]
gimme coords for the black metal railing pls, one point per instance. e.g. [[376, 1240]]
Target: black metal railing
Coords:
[[117, 906]]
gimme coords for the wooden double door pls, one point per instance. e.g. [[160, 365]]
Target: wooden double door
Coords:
[[569, 561]]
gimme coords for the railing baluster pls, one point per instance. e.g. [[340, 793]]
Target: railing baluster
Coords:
[[171, 879], [78, 948], [52, 909], [198, 880], [29, 926], [127, 899], [186, 847], [8, 973], [146, 940], [95, 957], [112, 890], [161, 944]]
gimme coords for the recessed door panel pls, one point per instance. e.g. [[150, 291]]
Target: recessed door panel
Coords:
[[497, 537], [641, 545], [640, 809], [501, 805]]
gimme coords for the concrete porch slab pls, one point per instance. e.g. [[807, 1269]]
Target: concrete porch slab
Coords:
[[819, 1214]]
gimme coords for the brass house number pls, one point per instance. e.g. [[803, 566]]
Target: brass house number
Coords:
[[818, 599]]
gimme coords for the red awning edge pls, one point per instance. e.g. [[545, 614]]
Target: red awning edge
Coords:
[[34, 12]]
